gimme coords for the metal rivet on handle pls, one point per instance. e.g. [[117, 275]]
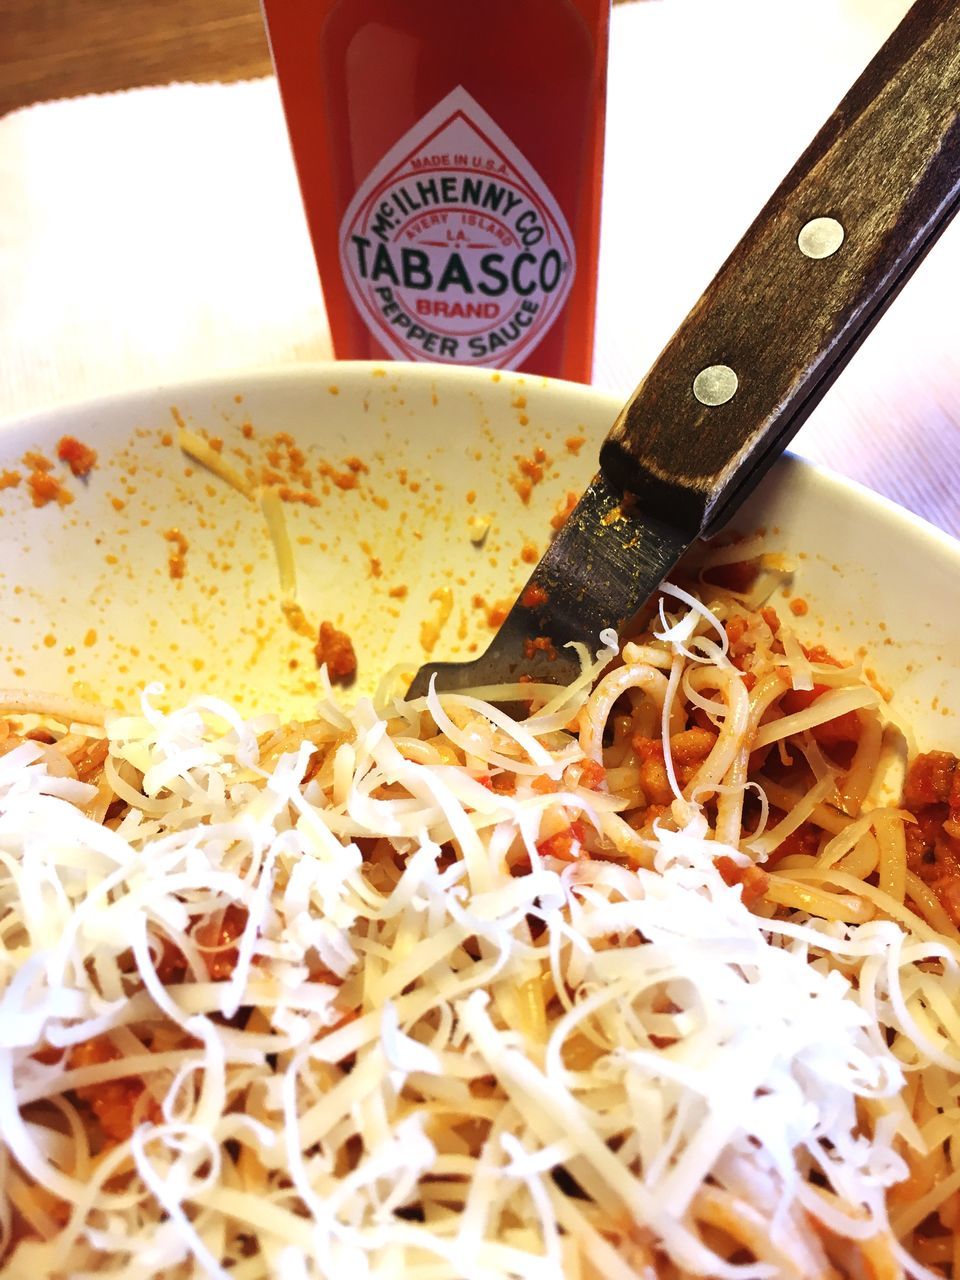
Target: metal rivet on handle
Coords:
[[820, 237], [715, 385]]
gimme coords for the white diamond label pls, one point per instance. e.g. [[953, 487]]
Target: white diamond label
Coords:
[[453, 249]]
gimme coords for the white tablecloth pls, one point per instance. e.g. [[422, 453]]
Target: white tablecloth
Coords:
[[157, 235]]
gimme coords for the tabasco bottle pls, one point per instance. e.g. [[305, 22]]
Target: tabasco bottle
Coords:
[[449, 156]]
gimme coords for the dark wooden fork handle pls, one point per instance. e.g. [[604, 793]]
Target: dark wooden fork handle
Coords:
[[886, 167]]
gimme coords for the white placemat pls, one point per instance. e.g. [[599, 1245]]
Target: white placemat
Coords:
[[157, 235]]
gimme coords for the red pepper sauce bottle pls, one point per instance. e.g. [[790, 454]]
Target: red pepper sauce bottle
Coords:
[[450, 157]]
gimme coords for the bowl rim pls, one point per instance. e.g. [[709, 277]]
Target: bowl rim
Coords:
[[838, 486]]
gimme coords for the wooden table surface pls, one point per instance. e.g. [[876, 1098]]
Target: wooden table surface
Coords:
[[62, 48]]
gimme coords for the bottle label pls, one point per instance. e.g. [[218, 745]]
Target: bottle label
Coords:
[[453, 248]]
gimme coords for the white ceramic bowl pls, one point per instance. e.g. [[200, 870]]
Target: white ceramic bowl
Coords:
[[89, 604]]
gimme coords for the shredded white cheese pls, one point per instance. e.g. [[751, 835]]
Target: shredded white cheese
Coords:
[[374, 1088]]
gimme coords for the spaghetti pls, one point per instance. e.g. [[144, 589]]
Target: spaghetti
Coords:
[[655, 980]]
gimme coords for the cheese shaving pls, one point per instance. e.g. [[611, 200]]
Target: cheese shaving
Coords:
[[195, 446], [271, 506], [399, 993]]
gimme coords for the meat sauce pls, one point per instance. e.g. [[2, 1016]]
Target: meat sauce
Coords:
[[335, 648], [932, 794], [79, 457], [120, 1105]]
